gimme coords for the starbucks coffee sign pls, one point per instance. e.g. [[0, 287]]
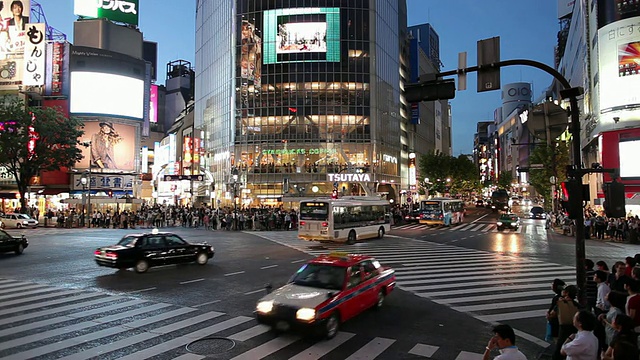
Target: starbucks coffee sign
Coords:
[[124, 11], [348, 177]]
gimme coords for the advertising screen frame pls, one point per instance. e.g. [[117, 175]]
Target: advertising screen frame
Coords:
[[121, 153], [273, 18], [83, 90], [124, 11], [628, 150]]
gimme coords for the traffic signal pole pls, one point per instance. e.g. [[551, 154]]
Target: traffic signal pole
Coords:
[[577, 172]]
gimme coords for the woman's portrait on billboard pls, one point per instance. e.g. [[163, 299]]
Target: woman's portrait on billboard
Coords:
[[102, 146]]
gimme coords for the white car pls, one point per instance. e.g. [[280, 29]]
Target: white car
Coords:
[[19, 221]]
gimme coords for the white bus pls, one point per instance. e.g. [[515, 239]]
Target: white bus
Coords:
[[441, 211], [347, 219]]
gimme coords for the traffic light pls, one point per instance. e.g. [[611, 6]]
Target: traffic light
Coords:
[[570, 202], [614, 199], [430, 91]]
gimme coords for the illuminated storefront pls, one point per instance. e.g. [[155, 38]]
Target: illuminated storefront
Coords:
[[308, 99]]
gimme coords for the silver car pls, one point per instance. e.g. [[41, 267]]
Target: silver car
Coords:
[[19, 221]]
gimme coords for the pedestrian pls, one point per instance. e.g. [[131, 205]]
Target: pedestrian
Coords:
[[504, 340], [624, 334], [552, 319], [565, 310], [583, 345]]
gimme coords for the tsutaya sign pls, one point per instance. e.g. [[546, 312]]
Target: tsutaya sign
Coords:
[[348, 177], [125, 11]]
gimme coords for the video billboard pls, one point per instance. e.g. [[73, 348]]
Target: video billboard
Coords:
[[153, 104], [628, 150], [301, 34], [95, 93], [125, 11], [112, 146], [619, 65]]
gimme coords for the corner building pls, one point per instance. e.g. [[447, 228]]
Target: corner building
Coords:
[[290, 93]]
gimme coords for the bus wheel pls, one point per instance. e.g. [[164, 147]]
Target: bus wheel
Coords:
[[380, 232], [351, 239]]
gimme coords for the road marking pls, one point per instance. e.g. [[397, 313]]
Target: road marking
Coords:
[[190, 281], [372, 349], [478, 219], [234, 273], [254, 291], [423, 350], [268, 348], [297, 261], [268, 267], [142, 290], [322, 348], [250, 333], [207, 303]]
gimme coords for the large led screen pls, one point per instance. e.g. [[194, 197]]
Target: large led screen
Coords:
[[629, 150], [112, 146], [301, 34], [619, 68], [94, 93]]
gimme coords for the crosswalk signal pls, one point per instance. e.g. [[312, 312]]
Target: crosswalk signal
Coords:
[[614, 199], [570, 192]]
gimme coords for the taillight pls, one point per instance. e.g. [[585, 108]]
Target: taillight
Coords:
[[325, 224], [97, 252], [111, 255], [302, 223]]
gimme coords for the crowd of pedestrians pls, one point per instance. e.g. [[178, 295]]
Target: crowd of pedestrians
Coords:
[[599, 226], [606, 327]]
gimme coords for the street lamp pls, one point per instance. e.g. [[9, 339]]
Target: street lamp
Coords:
[[83, 180]]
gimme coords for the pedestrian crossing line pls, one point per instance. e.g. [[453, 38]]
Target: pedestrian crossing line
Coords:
[[494, 289], [372, 349], [322, 348], [165, 345], [93, 336], [189, 356], [50, 294], [417, 274], [11, 285], [529, 265], [541, 313], [465, 355], [33, 291], [448, 264], [493, 297], [64, 318], [4, 281], [456, 277], [502, 305], [471, 284], [19, 309], [267, 348], [76, 327], [250, 333], [423, 350]]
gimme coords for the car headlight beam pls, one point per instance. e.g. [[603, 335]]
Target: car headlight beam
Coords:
[[264, 307], [306, 314], [499, 223]]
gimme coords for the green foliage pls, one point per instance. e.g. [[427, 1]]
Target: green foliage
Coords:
[[55, 143], [439, 167], [556, 158], [505, 180]]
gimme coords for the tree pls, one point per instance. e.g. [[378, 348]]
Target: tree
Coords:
[[505, 179], [556, 157], [447, 173], [33, 139]]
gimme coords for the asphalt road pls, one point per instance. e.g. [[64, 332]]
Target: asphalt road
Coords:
[[450, 293]]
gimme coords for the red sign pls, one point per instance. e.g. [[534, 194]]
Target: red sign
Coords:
[[56, 69]]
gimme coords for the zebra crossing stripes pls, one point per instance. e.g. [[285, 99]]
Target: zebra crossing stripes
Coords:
[[531, 229], [96, 325]]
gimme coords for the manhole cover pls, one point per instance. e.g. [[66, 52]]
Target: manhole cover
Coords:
[[211, 346]]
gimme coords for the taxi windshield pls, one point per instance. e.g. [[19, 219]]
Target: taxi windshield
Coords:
[[320, 276], [127, 241]]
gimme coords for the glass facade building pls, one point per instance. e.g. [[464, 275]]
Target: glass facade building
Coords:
[[289, 92]]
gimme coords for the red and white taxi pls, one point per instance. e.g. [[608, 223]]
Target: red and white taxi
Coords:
[[325, 292]]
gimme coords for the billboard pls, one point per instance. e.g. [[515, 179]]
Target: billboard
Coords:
[[117, 95], [112, 146], [153, 104], [14, 21], [124, 11], [34, 55], [301, 34], [619, 69], [251, 55], [629, 149]]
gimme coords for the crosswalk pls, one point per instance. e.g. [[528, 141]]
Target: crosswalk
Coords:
[[45, 322], [489, 286], [531, 229]]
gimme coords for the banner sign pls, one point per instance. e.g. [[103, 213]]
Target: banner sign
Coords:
[[125, 11], [34, 55], [98, 181], [348, 177]]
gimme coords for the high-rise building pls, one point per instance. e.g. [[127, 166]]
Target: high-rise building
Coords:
[[298, 100]]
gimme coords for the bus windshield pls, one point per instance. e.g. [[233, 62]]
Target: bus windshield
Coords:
[[431, 206], [314, 211]]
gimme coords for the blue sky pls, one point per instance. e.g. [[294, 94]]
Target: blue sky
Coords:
[[527, 30]]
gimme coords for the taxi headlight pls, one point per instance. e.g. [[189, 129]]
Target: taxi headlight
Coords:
[[306, 314], [499, 223], [264, 307]]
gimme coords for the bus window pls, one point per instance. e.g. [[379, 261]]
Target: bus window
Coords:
[[314, 211]]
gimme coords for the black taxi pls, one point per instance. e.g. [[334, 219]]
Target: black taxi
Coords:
[[142, 251]]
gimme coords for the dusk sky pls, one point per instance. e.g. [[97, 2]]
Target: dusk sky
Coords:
[[527, 30]]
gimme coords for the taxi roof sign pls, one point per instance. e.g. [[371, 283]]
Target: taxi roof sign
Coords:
[[339, 254]]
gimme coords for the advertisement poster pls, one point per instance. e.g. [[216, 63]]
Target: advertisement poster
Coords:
[[34, 55], [294, 36], [14, 17], [153, 104], [251, 58], [618, 55], [112, 146]]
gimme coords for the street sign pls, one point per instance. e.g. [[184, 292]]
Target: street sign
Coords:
[[183, 177]]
